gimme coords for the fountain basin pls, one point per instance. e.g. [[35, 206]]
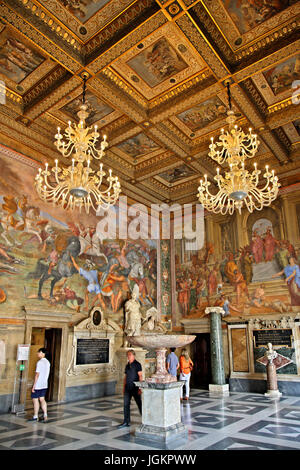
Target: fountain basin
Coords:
[[160, 343], [155, 341]]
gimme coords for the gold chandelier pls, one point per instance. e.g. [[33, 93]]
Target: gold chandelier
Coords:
[[78, 185], [238, 187]]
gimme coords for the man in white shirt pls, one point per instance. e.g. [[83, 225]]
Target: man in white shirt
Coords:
[[40, 385]]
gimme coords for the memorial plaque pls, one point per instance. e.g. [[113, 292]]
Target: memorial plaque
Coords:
[[92, 351], [276, 336]]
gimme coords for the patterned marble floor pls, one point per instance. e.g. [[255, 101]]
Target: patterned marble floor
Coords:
[[240, 421]]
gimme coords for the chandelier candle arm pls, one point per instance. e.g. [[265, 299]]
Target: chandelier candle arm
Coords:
[[238, 187], [78, 185]]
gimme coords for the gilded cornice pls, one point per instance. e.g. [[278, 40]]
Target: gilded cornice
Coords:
[[46, 86], [197, 39], [268, 60], [18, 132], [124, 103], [118, 127], [92, 25], [18, 156], [161, 188], [247, 106], [12, 99], [182, 188], [49, 25], [41, 71], [168, 126], [283, 109], [49, 100], [127, 42], [167, 141], [171, 132], [137, 191], [153, 170], [282, 137], [249, 87], [212, 32], [156, 161], [185, 101], [119, 27], [191, 85], [275, 145], [123, 85]]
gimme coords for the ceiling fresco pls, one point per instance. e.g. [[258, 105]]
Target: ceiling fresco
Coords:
[[96, 108], [156, 83]]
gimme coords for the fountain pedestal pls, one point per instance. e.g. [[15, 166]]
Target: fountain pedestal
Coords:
[[161, 410], [161, 416]]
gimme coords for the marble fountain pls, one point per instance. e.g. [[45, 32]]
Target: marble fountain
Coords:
[[161, 417]]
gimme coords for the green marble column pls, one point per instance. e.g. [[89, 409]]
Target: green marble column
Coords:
[[216, 350]]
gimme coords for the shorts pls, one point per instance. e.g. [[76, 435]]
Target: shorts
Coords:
[[39, 393]]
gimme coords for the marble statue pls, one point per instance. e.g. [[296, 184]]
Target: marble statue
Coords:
[[152, 323], [133, 318]]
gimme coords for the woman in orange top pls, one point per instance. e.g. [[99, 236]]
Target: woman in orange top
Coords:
[[186, 367]]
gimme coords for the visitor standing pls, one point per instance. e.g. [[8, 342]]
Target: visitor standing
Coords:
[[40, 385], [133, 373], [186, 367], [172, 362]]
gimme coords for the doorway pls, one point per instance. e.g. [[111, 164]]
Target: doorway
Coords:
[[200, 350], [49, 338]]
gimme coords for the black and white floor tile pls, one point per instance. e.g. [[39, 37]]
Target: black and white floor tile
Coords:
[[239, 421]]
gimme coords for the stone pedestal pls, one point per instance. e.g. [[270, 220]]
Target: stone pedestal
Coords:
[[140, 355], [218, 384], [161, 418]]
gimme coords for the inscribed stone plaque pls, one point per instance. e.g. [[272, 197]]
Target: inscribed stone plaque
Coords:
[[278, 337], [92, 351], [239, 350]]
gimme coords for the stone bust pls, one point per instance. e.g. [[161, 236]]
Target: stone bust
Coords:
[[270, 353], [133, 318]]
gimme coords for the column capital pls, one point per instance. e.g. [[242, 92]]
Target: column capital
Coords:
[[209, 310]]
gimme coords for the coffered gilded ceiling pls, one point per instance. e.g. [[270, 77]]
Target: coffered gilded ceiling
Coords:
[[156, 83]]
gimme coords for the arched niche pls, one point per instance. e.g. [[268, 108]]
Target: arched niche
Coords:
[[269, 216]]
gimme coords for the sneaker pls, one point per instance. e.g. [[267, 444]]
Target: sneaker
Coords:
[[123, 425], [33, 419], [44, 420]]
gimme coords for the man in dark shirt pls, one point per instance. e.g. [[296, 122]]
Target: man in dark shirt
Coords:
[[133, 373]]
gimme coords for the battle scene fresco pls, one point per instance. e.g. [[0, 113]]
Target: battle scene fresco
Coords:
[[51, 259], [260, 277]]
